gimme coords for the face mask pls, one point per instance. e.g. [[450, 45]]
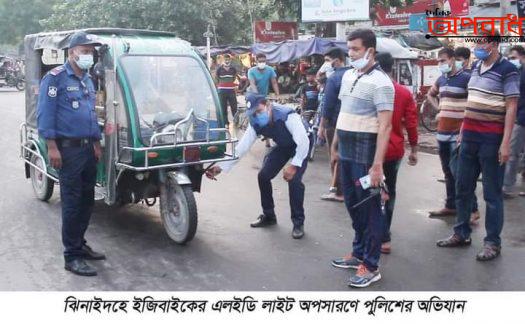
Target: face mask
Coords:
[[360, 63], [84, 62], [261, 65], [481, 53], [261, 119], [444, 68], [459, 65], [516, 63]]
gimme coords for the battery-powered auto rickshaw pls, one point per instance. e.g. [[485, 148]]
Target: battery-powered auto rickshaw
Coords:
[[159, 114]]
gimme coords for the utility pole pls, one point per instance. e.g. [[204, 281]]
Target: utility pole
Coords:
[[208, 34]]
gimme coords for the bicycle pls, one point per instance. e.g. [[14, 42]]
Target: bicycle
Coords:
[[427, 116], [240, 119]]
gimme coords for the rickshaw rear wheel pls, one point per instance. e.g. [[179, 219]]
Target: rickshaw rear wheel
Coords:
[[178, 211], [42, 185]]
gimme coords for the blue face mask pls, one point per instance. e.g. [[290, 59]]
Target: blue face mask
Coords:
[[84, 62], [459, 65], [261, 119], [481, 53]]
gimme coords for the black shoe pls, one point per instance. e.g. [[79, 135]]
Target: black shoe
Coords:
[[89, 254], [80, 267], [298, 232], [263, 221]]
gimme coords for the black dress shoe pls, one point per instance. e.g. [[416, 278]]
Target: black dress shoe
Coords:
[[263, 221], [89, 254], [298, 232], [80, 267]]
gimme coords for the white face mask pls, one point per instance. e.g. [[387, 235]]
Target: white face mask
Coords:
[[261, 65], [361, 62], [516, 62]]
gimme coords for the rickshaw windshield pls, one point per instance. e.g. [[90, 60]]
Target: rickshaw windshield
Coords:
[[165, 89]]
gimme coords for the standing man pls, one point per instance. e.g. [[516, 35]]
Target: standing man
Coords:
[[261, 76], [404, 118], [363, 131], [226, 75], [287, 130], [67, 121], [493, 93], [329, 113], [517, 142], [451, 87]]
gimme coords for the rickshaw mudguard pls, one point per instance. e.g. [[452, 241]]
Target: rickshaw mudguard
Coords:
[[180, 177]]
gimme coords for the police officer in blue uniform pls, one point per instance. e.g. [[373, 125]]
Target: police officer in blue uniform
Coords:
[[287, 129], [68, 122]]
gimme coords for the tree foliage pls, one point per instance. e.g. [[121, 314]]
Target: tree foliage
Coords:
[[231, 20], [21, 17]]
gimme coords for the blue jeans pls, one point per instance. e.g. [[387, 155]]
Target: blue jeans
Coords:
[[517, 144], [454, 168], [367, 219], [77, 192], [272, 165], [473, 159], [445, 153]]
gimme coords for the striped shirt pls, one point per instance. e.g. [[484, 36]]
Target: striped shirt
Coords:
[[362, 97], [484, 120], [452, 102], [226, 78]]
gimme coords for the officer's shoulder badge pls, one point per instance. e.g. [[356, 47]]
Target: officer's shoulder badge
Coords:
[[52, 91], [57, 70]]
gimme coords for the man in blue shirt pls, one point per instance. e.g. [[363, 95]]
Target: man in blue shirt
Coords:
[[68, 122], [261, 76], [517, 142], [329, 113]]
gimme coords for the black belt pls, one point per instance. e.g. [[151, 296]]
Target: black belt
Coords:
[[74, 142]]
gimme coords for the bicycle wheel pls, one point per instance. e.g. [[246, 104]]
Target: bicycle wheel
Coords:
[[427, 116]]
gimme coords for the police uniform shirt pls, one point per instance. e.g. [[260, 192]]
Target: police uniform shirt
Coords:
[[294, 125], [66, 105]]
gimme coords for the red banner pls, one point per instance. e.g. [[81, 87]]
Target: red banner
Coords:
[[274, 31], [395, 16]]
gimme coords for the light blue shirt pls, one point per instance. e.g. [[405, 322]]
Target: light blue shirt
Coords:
[[262, 78]]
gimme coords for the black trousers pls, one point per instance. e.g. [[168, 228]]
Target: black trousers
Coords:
[[77, 192], [228, 97], [272, 165]]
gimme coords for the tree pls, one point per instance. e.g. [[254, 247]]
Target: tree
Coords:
[[19, 18], [188, 19]]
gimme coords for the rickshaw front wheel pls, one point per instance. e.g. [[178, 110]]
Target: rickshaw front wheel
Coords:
[[178, 211], [42, 185]]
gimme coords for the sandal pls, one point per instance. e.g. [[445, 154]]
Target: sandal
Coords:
[[489, 252], [386, 248], [454, 241]]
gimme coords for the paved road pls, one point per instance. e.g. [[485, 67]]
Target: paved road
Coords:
[[227, 254]]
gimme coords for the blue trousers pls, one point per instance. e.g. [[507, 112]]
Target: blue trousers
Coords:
[[473, 159], [272, 165], [367, 219], [77, 190]]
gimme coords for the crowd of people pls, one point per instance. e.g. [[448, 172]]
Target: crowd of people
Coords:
[[365, 114]]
